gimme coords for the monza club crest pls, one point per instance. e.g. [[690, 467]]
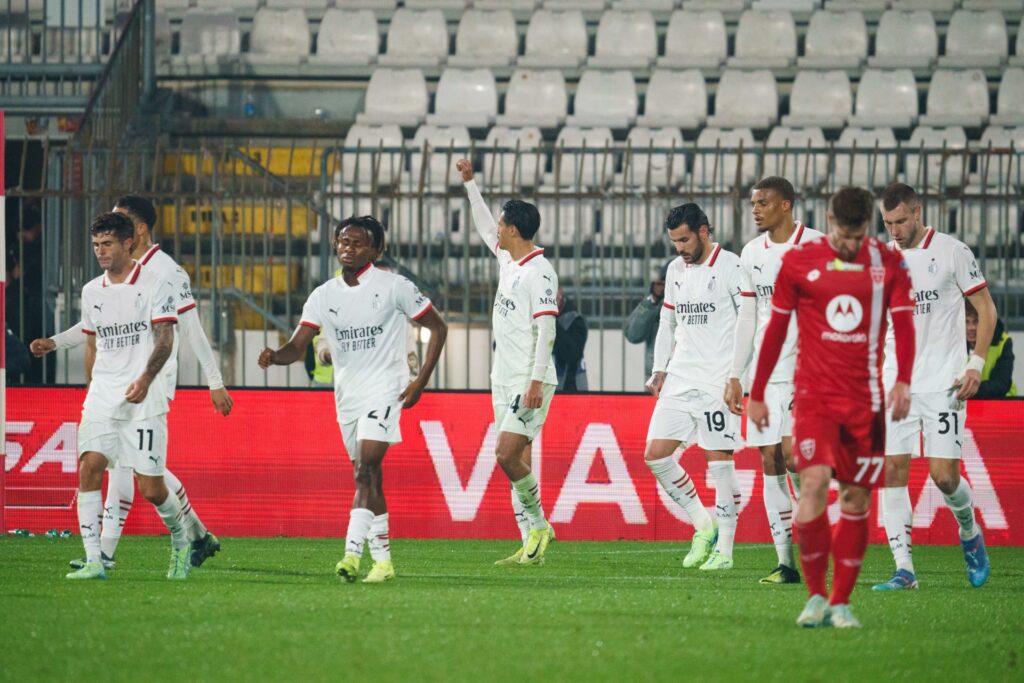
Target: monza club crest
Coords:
[[807, 448], [878, 274]]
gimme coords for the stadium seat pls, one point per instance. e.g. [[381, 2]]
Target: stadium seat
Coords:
[[1001, 165], [835, 40], [928, 5], [820, 98], [748, 99], [865, 156], [535, 98], [1010, 101], [905, 39], [625, 40], [856, 5], [582, 5], [465, 97], [444, 145], [363, 145], [437, 4], [555, 39], [800, 6], [512, 5], [506, 170], [416, 38], [278, 37], [378, 5], [347, 37], [717, 160], [886, 98], [675, 98], [313, 6], [604, 98], [730, 6], [650, 5], [15, 38], [931, 162], [240, 7], [395, 96], [694, 40], [975, 39], [1001, 5], [208, 36], [957, 98], [584, 158], [764, 40], [786, 155], [661, 169], [485, 39], [564, 221]]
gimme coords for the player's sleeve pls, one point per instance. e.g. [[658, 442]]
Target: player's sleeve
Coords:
[[191, 330], [483, 221], [785, 295], [900, 298], [311, 316], [186, 302], [901, 309], [543, 285], [86, 323], [71, 337], [783, 304], [746, 285], [735, 282], [163, 306], [965, 268], [411, 301]]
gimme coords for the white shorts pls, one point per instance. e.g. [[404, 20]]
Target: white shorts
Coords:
[[511, 416], [138, 444], [379, 424], [779, 398], [937, 417], [683, 415]]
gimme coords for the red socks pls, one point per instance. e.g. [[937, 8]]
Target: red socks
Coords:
[[815, 537], [848, 546]]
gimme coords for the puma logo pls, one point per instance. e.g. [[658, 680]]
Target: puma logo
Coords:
[[155, 459], [723, 508], [523, 420], [959, 445], [759, 268], [98, 307], [546, 277], [894, 539], [86, 526], [731, 437], [382, 426], [333, 310]]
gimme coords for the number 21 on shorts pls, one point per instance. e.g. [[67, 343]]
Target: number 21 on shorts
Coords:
[[864, 464]]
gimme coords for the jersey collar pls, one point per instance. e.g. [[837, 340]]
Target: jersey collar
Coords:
[[536, 252], [795, 238], [716, 250], [133, 275], [929, 233], [364, 273], [149, 253]]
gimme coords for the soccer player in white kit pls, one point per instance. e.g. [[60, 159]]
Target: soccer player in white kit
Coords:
[[692, 359], [523, 377], [362, 313], [121, 482], [771, 202], [943, 272], [129, 313]]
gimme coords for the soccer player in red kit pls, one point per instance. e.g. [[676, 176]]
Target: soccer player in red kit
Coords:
[[840, 287]]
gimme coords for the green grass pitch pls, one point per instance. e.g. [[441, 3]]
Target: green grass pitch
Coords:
[[272, 609]]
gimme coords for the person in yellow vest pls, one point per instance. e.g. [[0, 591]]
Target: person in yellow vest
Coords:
[[997, 375]]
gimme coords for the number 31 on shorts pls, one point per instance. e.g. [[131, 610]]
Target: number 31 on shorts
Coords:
[[864, 464]]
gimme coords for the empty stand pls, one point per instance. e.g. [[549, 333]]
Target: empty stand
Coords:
[[745, 99], [595, 169], [509, 170], [364, 164], [555, 39], [865, 156], [820, 98], [905, 39], [535, 98], [604, 98], [207, 36], [715, 168], [786, 155], [694, 39], [443, 146], [886, 98], [485, 39], [1010, 100], [957, 98], [625, 40], [835, 40], [347, 37], [465, 97], [416, 38], [395, 96], [764, 40], [975, 39], [278, 37], [659, 169], [931, 160]]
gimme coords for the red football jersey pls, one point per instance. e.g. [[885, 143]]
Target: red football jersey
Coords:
[[840, 311]]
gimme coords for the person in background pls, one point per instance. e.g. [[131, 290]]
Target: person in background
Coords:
[[570, 340], [997, 375], [642, 323]]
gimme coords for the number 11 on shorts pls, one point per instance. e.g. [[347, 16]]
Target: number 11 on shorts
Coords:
[[864, 464]]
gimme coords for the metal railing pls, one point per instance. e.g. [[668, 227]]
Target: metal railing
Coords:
[[251, 222]]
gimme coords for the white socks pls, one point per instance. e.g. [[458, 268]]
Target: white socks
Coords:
[[528, 491], [680, 488], [359, 522], [962, 505], [193, 525], [120, 494], [522, 521], [779, 507], [898, 518], [90, 512], [170, 513], [794, 479], [727, 500], [380, 544]]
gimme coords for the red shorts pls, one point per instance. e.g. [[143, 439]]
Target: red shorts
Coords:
[[842, 435]]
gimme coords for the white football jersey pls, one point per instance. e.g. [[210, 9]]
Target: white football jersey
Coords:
[[705, 298], [121, 316], [168, 269], [760, 262], [526, 290], [943, 271], [365, 327]]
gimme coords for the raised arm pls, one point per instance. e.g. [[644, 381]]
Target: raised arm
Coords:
[[484, 222]]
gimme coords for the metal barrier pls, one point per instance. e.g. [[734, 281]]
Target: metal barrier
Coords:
[[251, 222]]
